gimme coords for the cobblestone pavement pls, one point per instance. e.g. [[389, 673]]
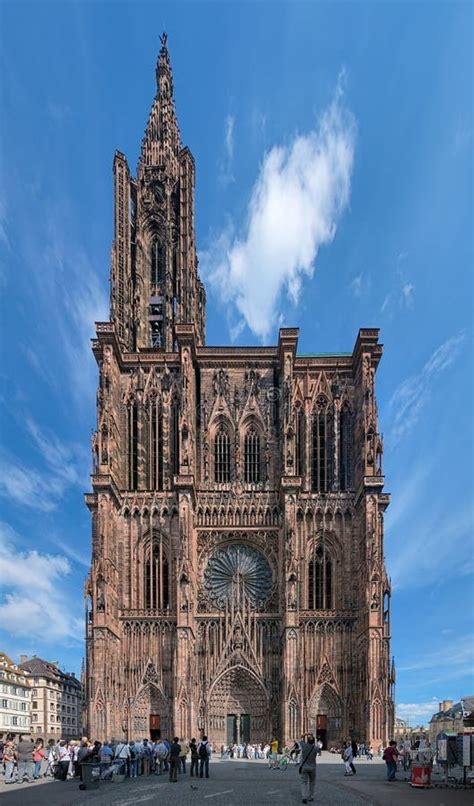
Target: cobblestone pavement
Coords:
[[240, 783]]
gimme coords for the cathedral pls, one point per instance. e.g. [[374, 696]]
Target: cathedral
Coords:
[[237, 585]]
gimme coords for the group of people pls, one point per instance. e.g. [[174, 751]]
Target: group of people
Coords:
[[28, 759]]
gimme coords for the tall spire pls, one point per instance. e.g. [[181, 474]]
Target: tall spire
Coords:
[[162, 142], [163, 66]]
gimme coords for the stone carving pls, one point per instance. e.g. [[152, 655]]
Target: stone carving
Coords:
[[237, 573]]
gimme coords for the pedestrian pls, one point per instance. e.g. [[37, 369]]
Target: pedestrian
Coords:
[[355, 753], [274, 754], [132, 760], [161, 755], [122, 755], [182, 755], [38, 756], [175, 750], [390, 756], [24, 756], [347, 758], [106, 753], [204, 751], [9, 759], [64, 759], [369, 752], [307, 768], [194, 757], [147, 751]]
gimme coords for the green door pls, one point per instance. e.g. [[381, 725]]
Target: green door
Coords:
[[245, 728], [231, 729]]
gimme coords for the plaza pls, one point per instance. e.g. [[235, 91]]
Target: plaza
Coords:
[[243, 783]]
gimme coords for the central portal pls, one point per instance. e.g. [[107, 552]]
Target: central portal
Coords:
[[238, 709]]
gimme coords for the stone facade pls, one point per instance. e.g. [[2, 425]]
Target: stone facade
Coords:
[[237, 584], [15, 698], [56, 700]]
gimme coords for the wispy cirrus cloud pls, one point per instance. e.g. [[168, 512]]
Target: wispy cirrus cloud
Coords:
[[294, 209], [226, 170], [412, 394], [42, 486], [34, 584]]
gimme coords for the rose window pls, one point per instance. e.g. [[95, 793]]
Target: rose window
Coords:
[[236, 574]]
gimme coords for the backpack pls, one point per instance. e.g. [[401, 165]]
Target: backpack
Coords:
[[203, 750]]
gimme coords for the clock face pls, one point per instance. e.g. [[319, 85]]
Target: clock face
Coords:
[[237, 574]]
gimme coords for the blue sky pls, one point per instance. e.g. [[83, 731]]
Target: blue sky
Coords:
[[372, 99]]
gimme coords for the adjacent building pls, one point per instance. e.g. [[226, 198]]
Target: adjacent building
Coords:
[[402, 731], [453, 717], [56, 699], [15, 698], [237, 584]]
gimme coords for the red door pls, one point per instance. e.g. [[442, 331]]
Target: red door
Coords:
[[155, 729]]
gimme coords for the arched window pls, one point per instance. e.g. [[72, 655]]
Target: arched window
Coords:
[[345, 448], [252, 456], [156, 581], [322, 446], [157, 263], [222, 456], [132, 447], [320, 581]]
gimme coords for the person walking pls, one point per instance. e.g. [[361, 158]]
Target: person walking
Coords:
[[390, 756], [204, 751], [355, 753], [175, 750], [307, 768], [194, 757], [347, 758]]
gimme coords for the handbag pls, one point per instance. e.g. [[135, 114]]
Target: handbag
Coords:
[[300, 768]]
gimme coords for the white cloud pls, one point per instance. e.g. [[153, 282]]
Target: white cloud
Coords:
[[419, 712], [226, 175], [357, 285], [35, 596], [408, 294], [411, 396], [295, 206], [42, 488]]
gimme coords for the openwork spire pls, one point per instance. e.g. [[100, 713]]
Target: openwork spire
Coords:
[[162, 142]]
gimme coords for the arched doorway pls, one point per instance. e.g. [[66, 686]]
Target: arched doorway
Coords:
[[150, 714], [325, 716], [237, 708]]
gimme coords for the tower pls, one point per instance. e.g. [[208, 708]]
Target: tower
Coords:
[[154, 278], [237, 583]]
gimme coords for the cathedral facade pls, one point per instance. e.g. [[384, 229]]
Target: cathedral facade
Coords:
[[237, 584]]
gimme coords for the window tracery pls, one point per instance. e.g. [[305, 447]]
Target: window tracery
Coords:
[[222, 455], [322, 439], [156, 576], [252, 471], [320, 581]]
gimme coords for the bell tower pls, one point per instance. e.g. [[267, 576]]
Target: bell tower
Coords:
[[154, 278]]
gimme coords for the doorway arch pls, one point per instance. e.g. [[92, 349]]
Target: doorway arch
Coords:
[[238, 708]]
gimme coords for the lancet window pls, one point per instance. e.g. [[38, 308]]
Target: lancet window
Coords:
[[175, 436], [322, 448], [155, 442], [222, 455], [157, 263], [156, 573], [320, 581], [132, 446], [346, 437], [300, 441], [252, 456]]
